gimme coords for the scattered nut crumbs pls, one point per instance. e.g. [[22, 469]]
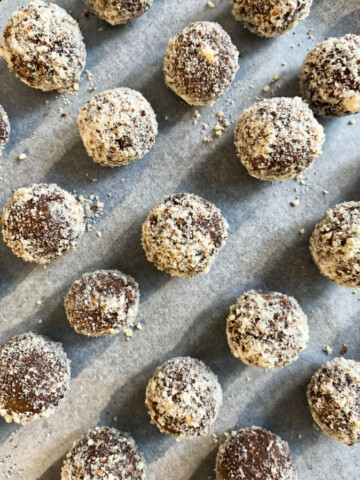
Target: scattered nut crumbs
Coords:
[[294, 203], [210, 4], [139, 326], [63, 115], [276, 78], [22, 156], [302, 231], [352, 121], [266, 88], [327, 350], [128, 332], [344, 350]]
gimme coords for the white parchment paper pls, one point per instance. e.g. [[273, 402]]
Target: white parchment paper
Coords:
[[181, 317]]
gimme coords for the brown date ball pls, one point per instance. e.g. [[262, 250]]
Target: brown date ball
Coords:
[[43, 46], [117, 127], [183, 398], [335, 244], [42, 222], [34, 376], [279, 138], [254, 453], [4, 129], [104, 302], [334, 399], [117, 12], [330, 77], [271, 18], [200, 63], [267, 329], [183, 234], [104, 453]]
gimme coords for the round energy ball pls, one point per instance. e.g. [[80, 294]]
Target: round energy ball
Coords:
[[271, 18], [335, 244], [44, 47], [183, 234], [267, 329], [104, 453], [183, 398], [200, 63], [254, 453], [4, 129], [117, 12], [34, 376], [334, 398], [104, 302], [117, 127], [42, 222], [279, 138], [330, 77]]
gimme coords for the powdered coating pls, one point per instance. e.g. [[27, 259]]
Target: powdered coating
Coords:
[[334, 398], [44, 47], [330, 78], [104, 454], [267, 329], [270, 18], [183, 234], [34, 376], [254, 453], [117, 127], [42, 222], [200, 63], [119, 11], [104, 302], [335, 244], [183, 397], [4, 129], [279, 138]]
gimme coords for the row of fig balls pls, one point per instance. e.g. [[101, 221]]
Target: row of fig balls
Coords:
[[275, 139]]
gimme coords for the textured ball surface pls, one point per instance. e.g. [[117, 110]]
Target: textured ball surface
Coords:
[[334, 398], [330, 77], [42, 222], [117, 127], [44, 47], [34, 376], [104, 453], [183, 397], [200, 63], [119, 11], [335, 244], [254, 453], [267, 329], [104, 302], [278, 139], [183, 235], [4, 129], [271, 18]]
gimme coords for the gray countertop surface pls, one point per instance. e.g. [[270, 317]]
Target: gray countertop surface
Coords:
[[181, 317]]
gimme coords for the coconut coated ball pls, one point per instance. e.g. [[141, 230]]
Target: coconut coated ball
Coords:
[[183, 234], [330, 77], [34, 376], [4, 129], [42, 222], [104, 454], [183, 398], [334, 399], [104, 302], [117, 127], [270, 18], [119, 11], [279, 138], [44, 47], [267, 329], [200, 63], [254, 453], [335, 244]]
